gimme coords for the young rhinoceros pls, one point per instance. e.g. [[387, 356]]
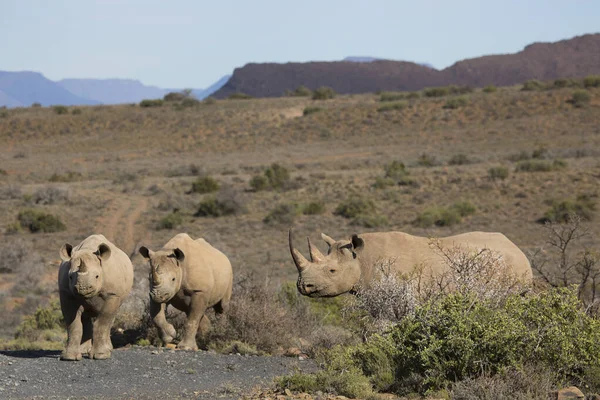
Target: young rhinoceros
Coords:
[[192, 276], [349, 263], [93, 280]]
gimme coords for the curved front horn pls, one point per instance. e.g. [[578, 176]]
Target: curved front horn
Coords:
[[299, 260], [315, 253]]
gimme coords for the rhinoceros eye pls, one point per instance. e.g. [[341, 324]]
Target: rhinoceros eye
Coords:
[[332, 271], [173, 279]]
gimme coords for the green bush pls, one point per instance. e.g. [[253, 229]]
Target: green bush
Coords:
[[436, 92], [382, 183], [213, 207], [323, 93], [76, 111], [489, 89], [174, 96], [283, 214], [500, 173], [563, 83], [311, 110], [275, 177], [445, 216], [239, 96], [44, 319], [462, 336], [313, 208], [209, 100], [412, 95], [370, 220], [39, 221], [259, 182], [170, 221], [540, 165], [396, 170], [560, 211], [392, 96], [455, 103], [36, 105], [354, 207], [459, 159], [533, 85], [151, 103], [302, 91], [398, 105], [591, 81], [580, 98], [205, 184], [60, 110]]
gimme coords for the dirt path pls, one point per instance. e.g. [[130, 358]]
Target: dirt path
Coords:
[[139, 373], [123, 214]]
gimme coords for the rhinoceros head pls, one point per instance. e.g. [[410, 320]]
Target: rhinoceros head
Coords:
[[328, 275], [165, 273], [86, 271]]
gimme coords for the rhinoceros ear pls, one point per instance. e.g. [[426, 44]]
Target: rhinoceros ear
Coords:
[[103, 252], [145, 252], [65, 252], [179, 255], [357, 243], [328, 240]]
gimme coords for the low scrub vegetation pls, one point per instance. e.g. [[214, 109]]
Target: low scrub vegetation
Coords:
[[459, 159], [490, 89], [301, 91], [239, 96], [171, 221], [205, 184], [311, 110], [445, 216], [39, 221], [276, 177], [391, 96], [151, 103], [455, 103], [323, 93], [362, 211], [498, 173], [60, 110], [592, 81], [540, 165], [227, 202], [562, 211], [580, 98], [397, 105]]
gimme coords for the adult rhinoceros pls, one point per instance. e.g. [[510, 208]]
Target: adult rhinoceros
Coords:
[[350, 262]]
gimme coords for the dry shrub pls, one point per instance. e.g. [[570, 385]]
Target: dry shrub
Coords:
[[51, 195], [10, 192], [259, 318], [527, 383]]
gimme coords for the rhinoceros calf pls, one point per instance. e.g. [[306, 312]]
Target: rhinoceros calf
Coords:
[[350, 262], [192, 276], [93, 280]]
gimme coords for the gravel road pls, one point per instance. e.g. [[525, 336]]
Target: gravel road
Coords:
[[139, 373]]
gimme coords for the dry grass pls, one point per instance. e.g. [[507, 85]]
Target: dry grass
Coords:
[[122, 169]]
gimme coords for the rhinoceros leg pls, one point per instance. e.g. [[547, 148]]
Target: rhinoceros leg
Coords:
[[204, 326], [72, 314], [195, 313], [166, 330], [86, 340], [101, 344]]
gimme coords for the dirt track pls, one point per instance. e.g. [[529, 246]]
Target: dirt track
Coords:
[[138, 373]]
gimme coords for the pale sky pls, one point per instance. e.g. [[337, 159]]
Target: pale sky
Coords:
[[192, 43]]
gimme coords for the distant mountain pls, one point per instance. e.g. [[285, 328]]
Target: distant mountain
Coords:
[[576, 57], [371, 59], [212, 88], [112, 91], [25, 88]]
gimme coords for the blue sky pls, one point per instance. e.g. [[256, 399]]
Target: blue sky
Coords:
[[192, 43]]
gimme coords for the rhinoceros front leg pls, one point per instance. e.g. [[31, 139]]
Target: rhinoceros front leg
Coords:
[[195, 313], [165, 330], [101, 344], [86, 340], [72, 315]]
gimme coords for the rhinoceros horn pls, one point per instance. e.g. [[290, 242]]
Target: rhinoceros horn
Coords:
[[155, 278], [301, 262], [315, 253]]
